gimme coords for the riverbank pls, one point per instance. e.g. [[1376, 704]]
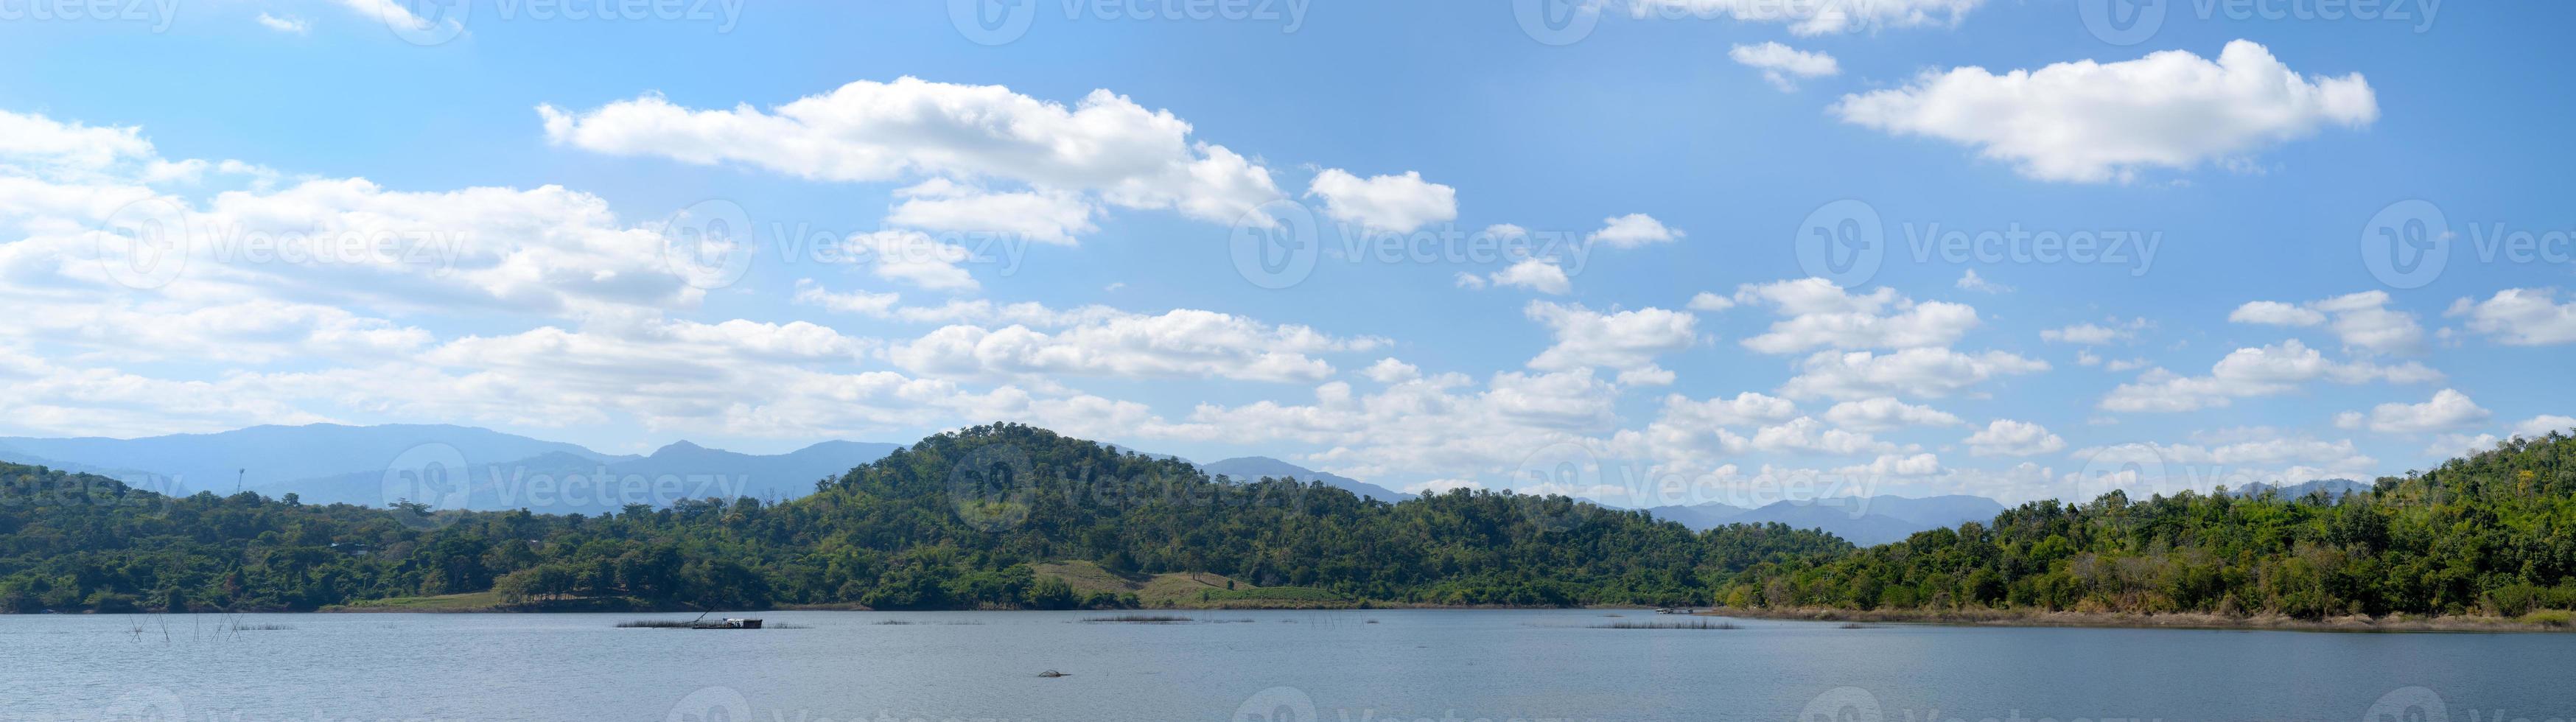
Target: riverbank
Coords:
[[2537, 622]]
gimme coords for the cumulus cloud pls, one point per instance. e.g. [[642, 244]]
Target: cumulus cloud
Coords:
[[1179, 343], [2521, 317], [1626, 341], [1105, 146], [1886, 414], [2093, 334], [2448, 409], [1784, 66], [2006, 437], [2092, 122], [940, 204], [1632, 230], [1922, 372], [1398, 203], [1817, 314], [1536, 274], [1970, 281], [2253, 371]]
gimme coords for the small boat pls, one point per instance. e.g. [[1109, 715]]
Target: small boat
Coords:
[[728, 623]]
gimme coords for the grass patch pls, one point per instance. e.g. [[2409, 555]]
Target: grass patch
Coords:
[[2550, 618], [1142, 619], [1689, 624]]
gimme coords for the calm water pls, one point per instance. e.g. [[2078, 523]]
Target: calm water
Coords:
[[1409, 665]]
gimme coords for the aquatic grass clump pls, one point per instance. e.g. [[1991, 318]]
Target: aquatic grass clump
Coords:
[[1690, 624], [259, 627], [653, 624], [1142, 619], [2550, 618]]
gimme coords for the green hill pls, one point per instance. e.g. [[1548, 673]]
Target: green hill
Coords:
[[2493, 534], [961, 520]]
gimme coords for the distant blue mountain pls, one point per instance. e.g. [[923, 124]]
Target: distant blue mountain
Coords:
[[266, 455], [330, 463], [1866, 522], [561, 483], [1252, 468]]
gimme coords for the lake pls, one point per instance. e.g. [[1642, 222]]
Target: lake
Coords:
[[1270, 666]]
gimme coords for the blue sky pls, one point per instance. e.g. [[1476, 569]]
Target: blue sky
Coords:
[[533, 168]]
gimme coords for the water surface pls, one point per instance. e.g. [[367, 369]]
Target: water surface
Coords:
[[1272, 665]]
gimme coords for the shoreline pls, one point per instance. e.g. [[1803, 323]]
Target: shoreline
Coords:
[[2395, 623]]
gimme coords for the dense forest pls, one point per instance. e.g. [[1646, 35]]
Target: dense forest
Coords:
[[956, 521], [2493, 534], [961, 520]]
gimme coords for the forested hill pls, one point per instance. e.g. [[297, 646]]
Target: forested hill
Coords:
[[959, 520], [2491, 534]]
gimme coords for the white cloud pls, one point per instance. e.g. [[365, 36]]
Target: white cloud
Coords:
[[1627, 341], [939, 204], [916, 258], [1179, 343], [1818, 314], [1633, 230], [1710, 302], [1105, 146], [1886, 414], [2521, 317], [1920, 372], [1896, 465], [1398, 203], [1819, 17], [2449, 409], [1784, 66], [2364, 321], [2093, 334], [2006, 437], [1389, 371], [1536, 274], [2275, 313], [285, 24], [2540, 426], [1973, 282], [2253, 371], [2092, 122]]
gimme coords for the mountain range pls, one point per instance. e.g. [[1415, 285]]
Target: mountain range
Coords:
[[467, 467], [1866, 521]]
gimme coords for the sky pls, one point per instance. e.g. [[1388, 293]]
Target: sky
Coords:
[[1641, 251]]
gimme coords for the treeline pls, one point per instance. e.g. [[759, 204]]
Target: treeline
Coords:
[[2491, 534], [953, 522]]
